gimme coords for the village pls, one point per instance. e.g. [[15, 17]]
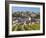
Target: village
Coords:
[[25, 18]]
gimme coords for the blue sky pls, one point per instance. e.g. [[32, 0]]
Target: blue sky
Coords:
[[33, 9]]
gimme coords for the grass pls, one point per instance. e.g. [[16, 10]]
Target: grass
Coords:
[[35, 26], [20, 27]]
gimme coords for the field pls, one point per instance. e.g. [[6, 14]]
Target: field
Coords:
[[20, 27]]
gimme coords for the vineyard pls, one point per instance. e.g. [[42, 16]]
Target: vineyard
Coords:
[[20, 27]]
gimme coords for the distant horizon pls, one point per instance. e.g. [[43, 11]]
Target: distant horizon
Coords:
[[31, 9]]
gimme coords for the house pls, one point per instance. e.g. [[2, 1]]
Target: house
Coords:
[[37, 20], [33, 20], [33, 14]]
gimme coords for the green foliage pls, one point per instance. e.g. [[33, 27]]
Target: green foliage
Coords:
[[13, 28], [37, 17], [20, 27], [35, 26]]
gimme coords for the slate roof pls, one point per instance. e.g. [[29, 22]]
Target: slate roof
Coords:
[[33, 20]]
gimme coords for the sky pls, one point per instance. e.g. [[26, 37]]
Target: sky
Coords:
[[33, 9]]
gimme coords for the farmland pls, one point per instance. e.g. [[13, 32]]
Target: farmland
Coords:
[[19, 27]]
